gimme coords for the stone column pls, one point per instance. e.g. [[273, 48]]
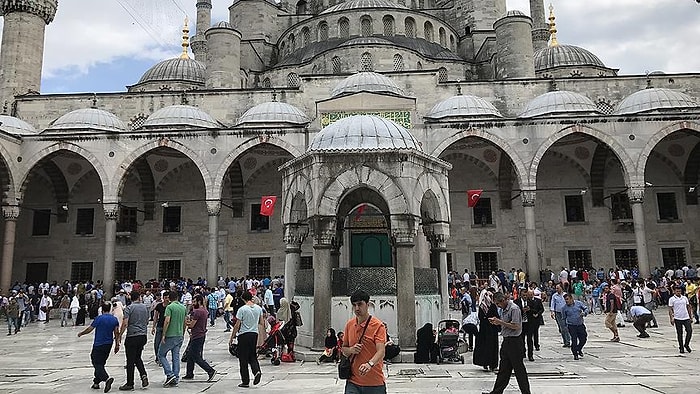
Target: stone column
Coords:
[[637, 202], [294, 236], [438, 245], [324, 233], [533, 264], [111, 216], [403, 238], [10, 213], [213, 210]]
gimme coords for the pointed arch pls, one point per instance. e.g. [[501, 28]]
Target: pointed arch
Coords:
[[300, 185], [114, 193], [517, 161], [427, 183], [628, 167], [656, 138], [7, 172]]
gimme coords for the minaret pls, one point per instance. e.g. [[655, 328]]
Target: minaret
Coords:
[[224, 66], [22, 53], [199, 42], [540, 31], [514, 46]]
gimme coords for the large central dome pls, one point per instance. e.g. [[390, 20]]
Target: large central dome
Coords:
[[565, 55], [357, 4], [363, 132], [177, 69]]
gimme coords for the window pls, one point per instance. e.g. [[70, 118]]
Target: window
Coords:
[[322, 31], [171, 219], [127, 219], [482, 212], [124, 270], [626, 258], [673, 258], [388, 22], [168, 269], [41, 222], [292, 43], [301, 7], [419, 66], [258, 222], [306, 263], [293, 80], [443, 37], [620, 206], [581, 259], [306, 36], [449, 262], [343, 28], [398, 62], [366, 26], [259, 267], [81, 271], [485, 263], [85, 220], [410, 28], [452, 43], [442, 74], [366, 62], [574, 209], [336, 65], [428, 31], [266, 83], [668, 211]]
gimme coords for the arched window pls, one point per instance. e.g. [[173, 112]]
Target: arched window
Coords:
[[293, 80], [421, 4], [398, 62], [336, 65], [343, 28], [266, 83], [388, 22], [442, 74], [292, 43], [402, 2], [366, 62], [366, 26], [283, 48], [443, 37], [419, 66], [306, 36], [410, 27], [452, 43], [428, 29], [323, 31], [301, 7]]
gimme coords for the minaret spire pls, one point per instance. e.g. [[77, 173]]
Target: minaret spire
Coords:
[[552, 27], [185, 40]]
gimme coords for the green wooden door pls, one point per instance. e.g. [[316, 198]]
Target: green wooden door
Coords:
[[370, 250]]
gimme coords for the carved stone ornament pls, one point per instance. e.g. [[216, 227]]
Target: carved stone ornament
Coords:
[[111, 211], [10, 212], [294, 235], [213, 208], [437, 240], [636, 194], [528, 198], [44, 9], [403, 236], [324, 231]]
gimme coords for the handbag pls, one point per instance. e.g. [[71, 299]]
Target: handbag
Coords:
[[345, 364]]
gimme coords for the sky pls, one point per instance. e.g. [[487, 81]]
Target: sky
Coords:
[[105, 45]]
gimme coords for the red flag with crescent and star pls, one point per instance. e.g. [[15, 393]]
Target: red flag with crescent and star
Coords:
[[473, 197], [267, 205]]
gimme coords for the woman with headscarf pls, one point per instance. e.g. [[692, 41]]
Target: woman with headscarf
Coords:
[[330, 353], [284, 313], [118, 310], [74, 307], [425, 342], [486, 347], [82, 311], [289, 330]]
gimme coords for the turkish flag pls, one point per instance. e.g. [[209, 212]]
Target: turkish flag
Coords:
[[359, 211], [267, 205], [473, 197]]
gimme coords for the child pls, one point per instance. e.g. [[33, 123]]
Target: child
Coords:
[[330, 353]]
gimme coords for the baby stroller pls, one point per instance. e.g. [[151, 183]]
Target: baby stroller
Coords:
[[448, 342], [274, 342]]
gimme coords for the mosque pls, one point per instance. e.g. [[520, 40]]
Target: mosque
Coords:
[[370, 122]]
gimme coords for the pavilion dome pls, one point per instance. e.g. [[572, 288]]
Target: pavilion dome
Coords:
[[176, 69], [363, 132], [565, 55], [16, 126], [654, 99], [559, 102], [358, 4], [179, 116], [463, 106], [274, 112], [92, 119], [366, 81]]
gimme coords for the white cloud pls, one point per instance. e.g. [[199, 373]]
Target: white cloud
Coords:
[[633, 35]]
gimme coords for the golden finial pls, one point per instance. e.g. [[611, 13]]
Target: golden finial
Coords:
[[185, 40], [552, 27]]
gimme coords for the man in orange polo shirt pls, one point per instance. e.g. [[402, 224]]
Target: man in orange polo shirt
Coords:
[[367, 352]]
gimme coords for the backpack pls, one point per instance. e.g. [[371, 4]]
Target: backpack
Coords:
[[465, 306]]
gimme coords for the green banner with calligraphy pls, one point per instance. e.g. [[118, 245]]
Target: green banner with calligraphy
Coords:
[[401, 117]]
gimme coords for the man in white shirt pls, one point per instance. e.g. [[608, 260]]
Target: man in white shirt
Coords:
[[563, 275], [679, 311], [465, 277], [269, 301]]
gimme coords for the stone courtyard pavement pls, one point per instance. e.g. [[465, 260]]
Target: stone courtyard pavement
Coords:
[[51, 359]]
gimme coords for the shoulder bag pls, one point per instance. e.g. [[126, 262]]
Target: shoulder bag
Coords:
[[345, 364]]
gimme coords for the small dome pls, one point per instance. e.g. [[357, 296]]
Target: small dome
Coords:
[[513, 13], [463, 106], [366, 81], [363, 132], [16, 126], [654, 99], [223, 25], [559, 102], [274, 112], [88, 119], [176, 69], [181, 115], [565, 55], [356, 4]]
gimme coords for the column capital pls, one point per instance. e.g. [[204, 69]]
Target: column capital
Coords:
[[528, 197], [437, 240], [636, 194], [10, 212], [213, 208], [324, 231], [44, 9], [111, 210], [295, 235]]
